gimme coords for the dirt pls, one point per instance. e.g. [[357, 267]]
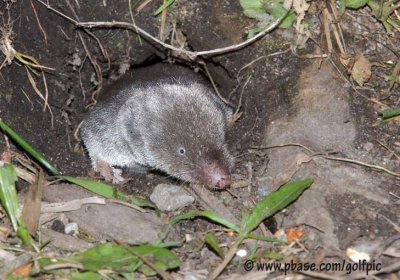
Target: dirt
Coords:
[[284, 98]]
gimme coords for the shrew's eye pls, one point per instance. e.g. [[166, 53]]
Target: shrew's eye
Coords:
[[181, 151]]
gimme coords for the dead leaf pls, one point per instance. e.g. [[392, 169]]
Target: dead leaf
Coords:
[[23, 271], [361, 71], [32, 204], [294, 234]]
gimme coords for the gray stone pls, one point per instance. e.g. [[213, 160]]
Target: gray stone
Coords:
[[64, 241], [322, 122], [107, 222], [170, 197]]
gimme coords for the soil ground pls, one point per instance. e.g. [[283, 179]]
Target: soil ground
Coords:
[[284, 97]]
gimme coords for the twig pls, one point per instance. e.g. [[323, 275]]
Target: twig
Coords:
[[140, 31], [390, 150], [95, 65], [319, 154], [101, 47], [395, 226], [373, 166], [283, 145], [396, 196], [38, 22], [214, 85], [96, 68], [241, 95], [190, 54], [261, 57], [80, 79]]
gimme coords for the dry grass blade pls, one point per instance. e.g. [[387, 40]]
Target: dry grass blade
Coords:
[[71, 205], [39, 93], [143, 5], [326, 25], [373, 166], [6, 45], [30, 63], [25, 175], [323, 155], [163, 23]]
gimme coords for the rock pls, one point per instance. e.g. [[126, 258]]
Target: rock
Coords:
[[322, 121], [107, 222], [170, 197], [72, 229], [64, 241], [368, 146]]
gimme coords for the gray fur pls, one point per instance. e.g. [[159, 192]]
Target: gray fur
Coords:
[[144, 126]]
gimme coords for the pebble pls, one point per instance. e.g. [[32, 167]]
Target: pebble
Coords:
[[170, 197]]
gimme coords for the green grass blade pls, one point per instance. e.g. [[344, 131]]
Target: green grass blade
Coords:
[[211, 241], [253, 8], [138, 201], [99, 188], [266, 238], [8, 198], [125, 259], [163, 7], [8, 193], [273, 203], [89, 275], [107, 191], [391, 113], [28, 149], [205, 214], [23, 234]]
